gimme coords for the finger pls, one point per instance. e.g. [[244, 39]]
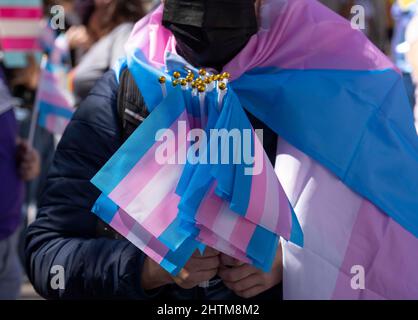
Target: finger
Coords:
[[251, 292], [230, 262], [203, 264], [210, 252], [202, 276], [237, 273], [244, 284]]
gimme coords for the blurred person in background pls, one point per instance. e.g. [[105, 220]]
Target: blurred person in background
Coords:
[[19, 162], [338, 6], [377, 22], [106, 26], [403, 11]]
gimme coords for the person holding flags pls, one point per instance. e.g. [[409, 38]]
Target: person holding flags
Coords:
[[332, 215]]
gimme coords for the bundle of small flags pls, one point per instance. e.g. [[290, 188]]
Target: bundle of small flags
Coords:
[[171, 208], [20, 28]]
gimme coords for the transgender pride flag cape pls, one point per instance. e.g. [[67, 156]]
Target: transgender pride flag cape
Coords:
[[347, 158]]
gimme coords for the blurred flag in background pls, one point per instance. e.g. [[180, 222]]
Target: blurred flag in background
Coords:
[[20, 28], [55, 100]]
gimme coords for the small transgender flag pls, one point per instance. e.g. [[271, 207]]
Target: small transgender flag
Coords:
[[55, 100], [20, 29]]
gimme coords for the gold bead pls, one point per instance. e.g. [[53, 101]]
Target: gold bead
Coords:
[[189, 79], [176, 83], [202, 72], [226, 75], [162, 80], [194, 85], [217, 77], [190, 75], [176, 75], [201, 88], [207, 80], [222, 86], [183, 82]]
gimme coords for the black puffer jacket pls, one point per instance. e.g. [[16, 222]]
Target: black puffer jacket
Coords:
[[66, 234]]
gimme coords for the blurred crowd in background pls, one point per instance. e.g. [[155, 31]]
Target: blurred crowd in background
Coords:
[[97, 30]]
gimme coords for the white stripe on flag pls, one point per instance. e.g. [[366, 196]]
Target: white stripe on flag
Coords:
[[20, 28], [156, 190]]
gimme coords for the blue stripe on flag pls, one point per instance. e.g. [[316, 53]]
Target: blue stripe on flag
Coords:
[[18, 59], [358, 124], [105, 208], [21, 3], [46, 109], [296, 235], [139, 143], [263, 248]]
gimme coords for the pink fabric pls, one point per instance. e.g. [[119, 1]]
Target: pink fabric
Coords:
[[162, 217], [20, 13], [341, 230], [388, 254], [20, 44], [55, 99], [56, 124], [142, 173], [290, 37]]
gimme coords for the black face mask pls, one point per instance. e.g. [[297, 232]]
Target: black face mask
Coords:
[[210, 33]]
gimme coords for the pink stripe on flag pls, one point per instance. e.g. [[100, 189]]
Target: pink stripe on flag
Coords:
[[258, 193], [242, 234], [209, 208], [142, 173], [298, 28], [20, 44], [214, 241], [162, 216], [122, 223], [214, 214], [55, 124], [388, 255], [284, 224], [20, 13], [156, 250], [56, 99], [147, 243]]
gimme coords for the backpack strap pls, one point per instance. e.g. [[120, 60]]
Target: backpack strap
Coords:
[[132, 110]]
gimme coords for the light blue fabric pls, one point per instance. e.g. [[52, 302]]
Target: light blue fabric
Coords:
[[358, 124], [46, 109]]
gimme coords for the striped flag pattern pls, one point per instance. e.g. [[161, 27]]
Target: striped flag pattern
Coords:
[[179, 205], [20, 28], [347, 154], [55, 100]]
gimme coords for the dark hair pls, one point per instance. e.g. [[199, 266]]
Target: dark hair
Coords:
[[120, 11]]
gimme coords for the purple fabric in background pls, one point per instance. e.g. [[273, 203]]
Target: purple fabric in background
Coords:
[[11, 187]]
